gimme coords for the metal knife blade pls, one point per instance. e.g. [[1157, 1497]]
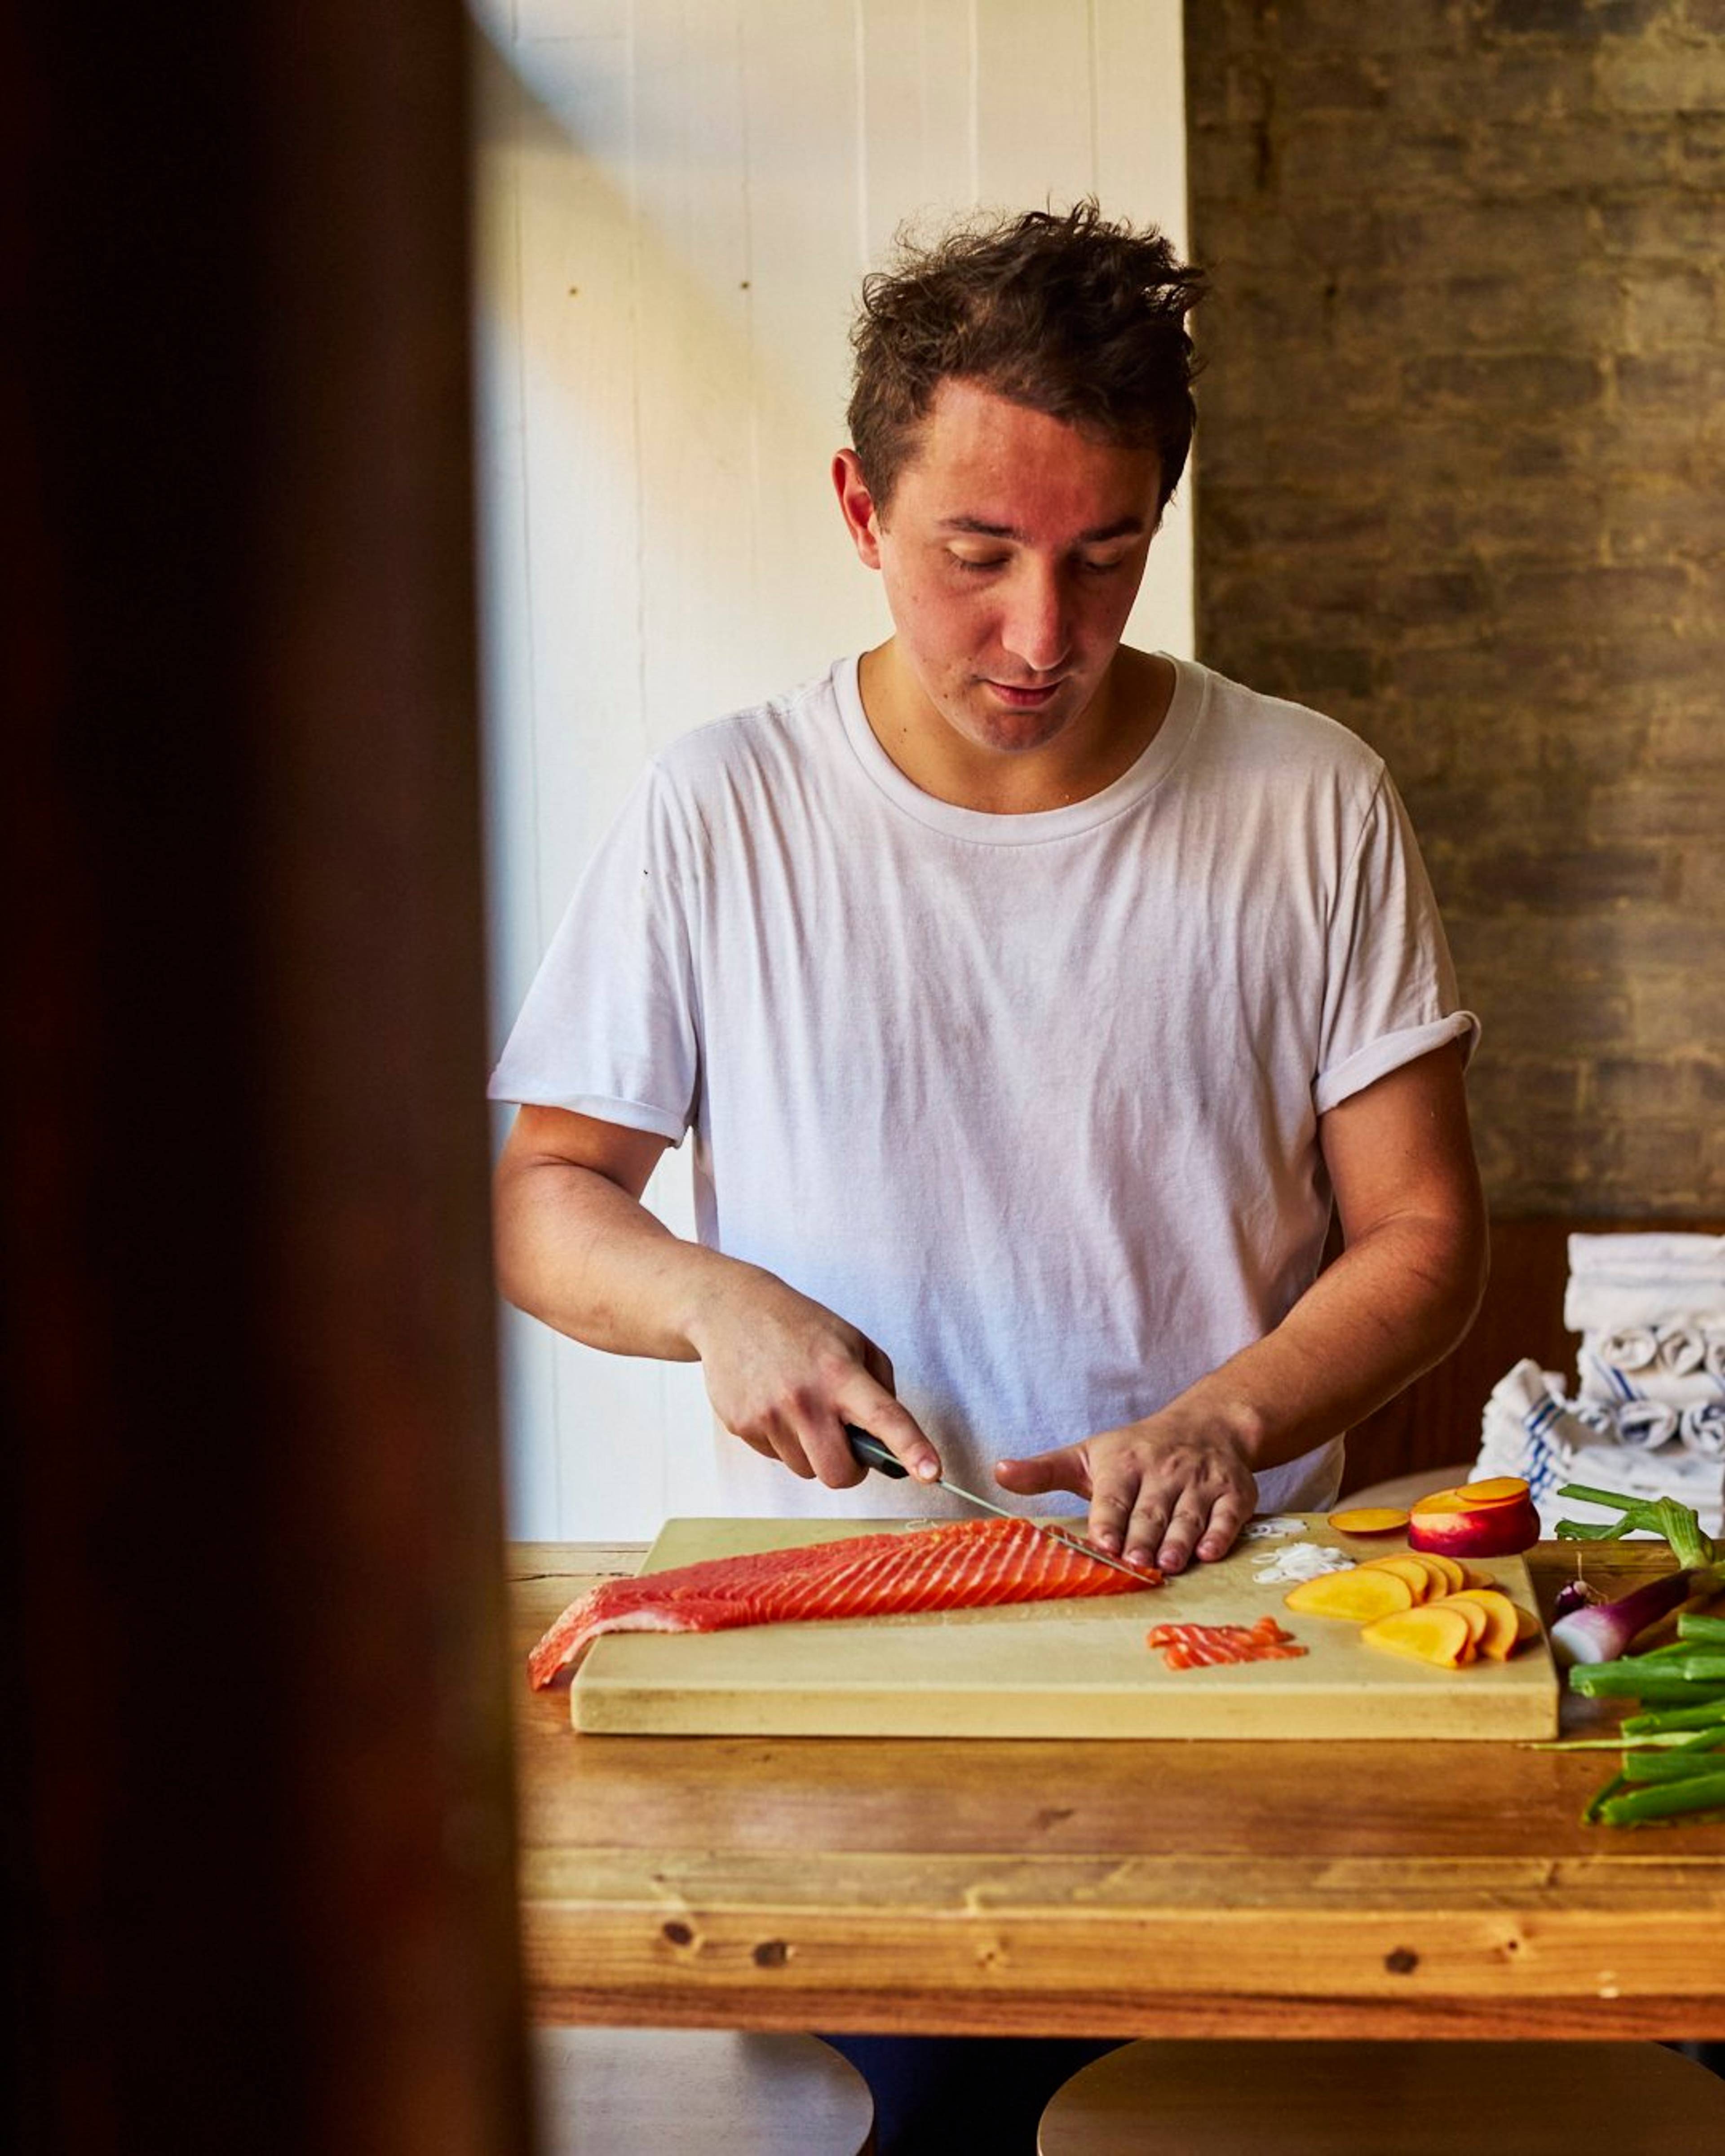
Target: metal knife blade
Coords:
[[869, 1452]]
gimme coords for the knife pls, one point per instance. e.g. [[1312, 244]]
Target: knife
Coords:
[[869, 1452]]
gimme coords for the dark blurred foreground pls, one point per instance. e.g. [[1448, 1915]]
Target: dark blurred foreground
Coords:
[[257, 1838]]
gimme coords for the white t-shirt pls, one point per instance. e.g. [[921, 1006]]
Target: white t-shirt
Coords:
[[1032, 1100]]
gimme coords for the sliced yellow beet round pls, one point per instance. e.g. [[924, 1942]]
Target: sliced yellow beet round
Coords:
[[1527, 1625], [1441, 1501], [1443, 1571], [1369, 1520], [1438, 1572], [1438, 1634], [1471, 1615], [1495, 1490], [1425, 1581], [1359, 1596], [1502, 1629], [1451, 1571]]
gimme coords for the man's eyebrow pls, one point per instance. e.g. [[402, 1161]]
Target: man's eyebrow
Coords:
[[1123, 527]]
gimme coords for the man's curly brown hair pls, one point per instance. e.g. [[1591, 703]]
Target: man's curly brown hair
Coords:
[[1076, 317]]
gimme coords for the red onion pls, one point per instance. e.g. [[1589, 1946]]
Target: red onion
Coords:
[[1601, 1631]]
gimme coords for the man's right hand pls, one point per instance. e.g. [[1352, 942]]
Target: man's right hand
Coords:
[[785, 1374], [577, 1247]]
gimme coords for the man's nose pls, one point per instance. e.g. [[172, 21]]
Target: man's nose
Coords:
[[1038, 628]]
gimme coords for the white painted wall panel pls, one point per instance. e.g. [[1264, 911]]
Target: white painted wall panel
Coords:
[[675, 200], [1035, 134]]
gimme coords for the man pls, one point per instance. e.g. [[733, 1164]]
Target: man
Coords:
[[1030, 997]]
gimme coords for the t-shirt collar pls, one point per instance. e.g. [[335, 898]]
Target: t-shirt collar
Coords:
[[983, 826]]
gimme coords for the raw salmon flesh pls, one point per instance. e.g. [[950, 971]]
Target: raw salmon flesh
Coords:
[[969, 1564], [1205, 1646]]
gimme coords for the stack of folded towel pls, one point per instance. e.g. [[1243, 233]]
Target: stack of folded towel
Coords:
[[1648, 1414]]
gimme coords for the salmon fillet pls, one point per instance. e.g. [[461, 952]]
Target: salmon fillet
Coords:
[[970, 1564], [1207, 1646]]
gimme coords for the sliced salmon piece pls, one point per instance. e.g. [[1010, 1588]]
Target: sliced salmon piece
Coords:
[[968, 1564], [1208, 1646]]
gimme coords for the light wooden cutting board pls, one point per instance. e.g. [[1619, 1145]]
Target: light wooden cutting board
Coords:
[[1047, 1669]]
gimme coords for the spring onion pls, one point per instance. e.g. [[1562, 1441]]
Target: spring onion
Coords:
[[1677, 1524], [1575, 1595], [1695, 1793], [1602, 1631], [1669, 1766], [1709, 1714], [1664, 1685], [1666, 1739], [1674, 1758]]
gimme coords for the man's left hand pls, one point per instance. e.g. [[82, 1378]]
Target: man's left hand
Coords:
[[1160, 1491]]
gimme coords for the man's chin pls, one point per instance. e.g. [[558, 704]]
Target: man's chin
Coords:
[[1014, 732]]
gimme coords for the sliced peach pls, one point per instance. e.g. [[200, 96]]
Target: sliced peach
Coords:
[[1497, 1642], [1369, 1520], [1358, 1595], [1527, 1625], [1438, 1634], [1492, 1531], [1425, 1581]]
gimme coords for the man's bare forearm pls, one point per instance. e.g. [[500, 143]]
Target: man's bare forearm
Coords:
[[1391, 1305], [578, 1252], [577, 1249]]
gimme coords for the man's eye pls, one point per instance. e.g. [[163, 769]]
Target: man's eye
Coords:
[[1104, 568], [985, 562]]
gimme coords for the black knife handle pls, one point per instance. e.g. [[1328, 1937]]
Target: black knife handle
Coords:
[[871, 1453]]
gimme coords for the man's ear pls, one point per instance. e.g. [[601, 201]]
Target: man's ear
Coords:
[[856, 504]]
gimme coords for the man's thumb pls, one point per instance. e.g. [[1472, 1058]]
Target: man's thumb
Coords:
[[1061, 1470]]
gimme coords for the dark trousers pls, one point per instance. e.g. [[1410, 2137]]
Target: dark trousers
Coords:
[[946, 2096]]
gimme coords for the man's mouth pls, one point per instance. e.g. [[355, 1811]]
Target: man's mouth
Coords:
[[1022, 698]]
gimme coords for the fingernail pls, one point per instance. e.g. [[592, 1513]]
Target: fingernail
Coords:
[[927, 1469]]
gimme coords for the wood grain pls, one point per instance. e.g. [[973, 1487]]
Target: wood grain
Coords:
[[1103, 1888]]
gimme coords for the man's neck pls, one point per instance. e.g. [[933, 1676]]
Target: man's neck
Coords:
[[1109, 737]]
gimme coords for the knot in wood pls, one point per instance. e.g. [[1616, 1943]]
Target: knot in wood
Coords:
[[771, 1953], [1402, 1962]]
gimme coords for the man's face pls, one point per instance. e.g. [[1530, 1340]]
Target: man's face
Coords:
[[1011, 551]]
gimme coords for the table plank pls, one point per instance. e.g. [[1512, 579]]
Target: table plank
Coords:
[[1108, 1888]]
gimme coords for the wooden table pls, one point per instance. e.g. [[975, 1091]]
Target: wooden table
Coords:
[[1108, 1889]]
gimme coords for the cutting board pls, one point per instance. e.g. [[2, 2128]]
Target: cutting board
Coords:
[[1048, 1668]]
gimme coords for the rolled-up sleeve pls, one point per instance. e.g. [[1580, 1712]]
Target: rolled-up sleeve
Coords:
[[1389, 991]]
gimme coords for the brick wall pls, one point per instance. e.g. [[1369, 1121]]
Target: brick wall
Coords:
[[1462, 484]]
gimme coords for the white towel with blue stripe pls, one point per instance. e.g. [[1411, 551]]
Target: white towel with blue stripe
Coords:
[[1644, 1425], [1529, 1429], [1681, 1365], [1701, 1430]]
